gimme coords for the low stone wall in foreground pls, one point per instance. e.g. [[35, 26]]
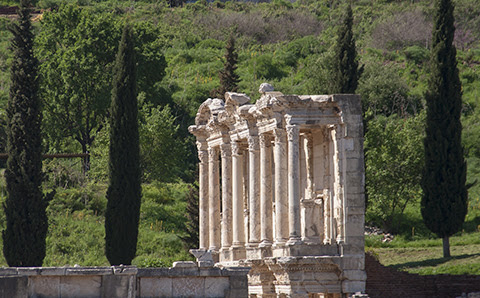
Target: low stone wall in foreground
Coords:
[[184, 279]]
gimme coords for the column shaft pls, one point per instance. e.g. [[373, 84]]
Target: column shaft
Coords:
[[293, 134], [237, 197], [265, 191], [254, 190], [214, 199], [203, 195], [281, 212], [226, 154]]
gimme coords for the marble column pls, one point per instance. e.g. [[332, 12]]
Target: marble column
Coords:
[[281, 203], [213, 199], [293, 135], [254, 190], [237, 196], [226, 153], [339, 170], [203, 195], [266, 233]]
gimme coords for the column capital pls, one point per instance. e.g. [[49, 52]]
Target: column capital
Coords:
[[226, 150], [293, 132], [202, 146], [212, 153], [279, 135], [265, 140], [253, 143], [236, 150]]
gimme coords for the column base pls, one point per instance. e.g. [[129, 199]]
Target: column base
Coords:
[[225, 255], [294, 241], [238, 252]]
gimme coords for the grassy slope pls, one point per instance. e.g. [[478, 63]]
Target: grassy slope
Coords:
[[76, 234]]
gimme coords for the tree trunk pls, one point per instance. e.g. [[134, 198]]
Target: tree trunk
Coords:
[[446, 247]]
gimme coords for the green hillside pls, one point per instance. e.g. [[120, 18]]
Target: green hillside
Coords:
[[180, 50]]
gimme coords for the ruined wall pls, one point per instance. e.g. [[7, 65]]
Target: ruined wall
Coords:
[[185, 279]]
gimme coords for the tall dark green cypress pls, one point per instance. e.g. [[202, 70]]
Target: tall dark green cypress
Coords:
[[444, 202], [228, 78], [345, 67], [124, 190], [25, 206], [191, 225]]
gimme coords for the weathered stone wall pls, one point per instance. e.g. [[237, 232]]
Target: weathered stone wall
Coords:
[[185, 279], [388, 282]]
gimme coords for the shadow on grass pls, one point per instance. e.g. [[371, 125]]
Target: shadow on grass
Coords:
[[431, 262]]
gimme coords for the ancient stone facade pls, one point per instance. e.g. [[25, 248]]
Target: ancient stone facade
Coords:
[[282, 190]]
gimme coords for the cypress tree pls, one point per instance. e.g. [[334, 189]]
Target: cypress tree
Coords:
[[25, 206], [191, 240], [228, 78], [345, 67], [124, 190], [444, 201]]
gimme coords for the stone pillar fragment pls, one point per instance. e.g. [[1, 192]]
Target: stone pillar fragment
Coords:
[[293, 134], [226, 154], [265, 191], [254, 190], [203, 195], [281, 203], [214, 199]]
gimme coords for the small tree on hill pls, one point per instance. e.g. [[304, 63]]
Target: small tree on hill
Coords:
[[25, 206], [345, 67], [124, 191], [228, 78], [444, 202]]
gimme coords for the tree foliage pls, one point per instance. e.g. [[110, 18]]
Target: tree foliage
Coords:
[[228, 77], [346, 71], [444, 203], [27, 224], [393, 163], [124, 190], [76, 48]]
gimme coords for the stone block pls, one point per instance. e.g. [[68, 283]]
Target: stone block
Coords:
[[29, 271], [188, 287], [236, 271], [44, 286], [80, 286], [14, 286], [155, 287], [216, 286], [125, 270], [238, 282], [353, 286], [214, 271], [184, 264], [150, 272], [88, 270], [355, 166], [58, 271], [354, 275], [353, 263], [118, 286], [7, 271]]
